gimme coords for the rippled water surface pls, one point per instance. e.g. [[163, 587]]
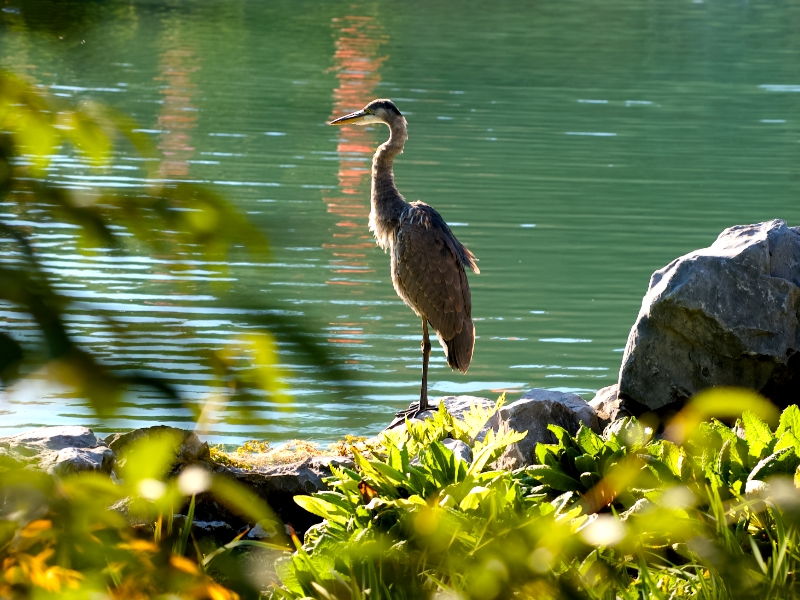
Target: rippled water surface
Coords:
[[573, 147]]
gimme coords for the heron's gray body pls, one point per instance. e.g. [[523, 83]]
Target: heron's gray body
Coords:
[[427, 261]]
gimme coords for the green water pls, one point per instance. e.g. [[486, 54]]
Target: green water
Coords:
[[573, 147]]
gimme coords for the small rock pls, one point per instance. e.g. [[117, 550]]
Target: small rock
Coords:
[[219, 530], [533, 413], [191, 449], [127, 508], [259, 533], [459, 449], [76, 460], [607, 405], [278, 485], [325, 462]]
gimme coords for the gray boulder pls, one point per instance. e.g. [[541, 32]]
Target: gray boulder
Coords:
[[57, 450], [723, 315], [533, 413]]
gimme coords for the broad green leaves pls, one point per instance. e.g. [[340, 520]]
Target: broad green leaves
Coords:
[[596, 512], [757, 433]]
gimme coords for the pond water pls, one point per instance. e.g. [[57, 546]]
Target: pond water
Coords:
[[574, 147]]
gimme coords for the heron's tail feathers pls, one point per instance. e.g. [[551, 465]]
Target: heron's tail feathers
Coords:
[[469, 261], [459, 349]]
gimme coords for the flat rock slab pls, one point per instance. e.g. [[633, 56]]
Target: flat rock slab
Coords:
[[723, 315], [51, 438], [57, 450], [533, 413]]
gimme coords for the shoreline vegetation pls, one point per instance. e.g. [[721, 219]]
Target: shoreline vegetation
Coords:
[[701, 509]]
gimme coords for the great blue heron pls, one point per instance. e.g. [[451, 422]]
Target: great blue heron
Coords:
[[427, 260]]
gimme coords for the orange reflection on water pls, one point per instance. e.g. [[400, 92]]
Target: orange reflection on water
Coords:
[[356, 63], [178, 117]]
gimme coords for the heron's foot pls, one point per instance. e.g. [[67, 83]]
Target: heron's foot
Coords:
[[413, 411]]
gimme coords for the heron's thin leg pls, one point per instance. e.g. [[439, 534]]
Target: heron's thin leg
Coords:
[[426, 354]]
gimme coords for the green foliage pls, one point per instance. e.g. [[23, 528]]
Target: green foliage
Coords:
[[419, 434], [622, 515], [60, 538]]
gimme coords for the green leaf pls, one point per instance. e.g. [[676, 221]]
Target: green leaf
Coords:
[[149, 457], [335, 498], [392, 475], [589, 441], [787, 440], [589, 480], [323, 508], [545, 452], [474, 498], [563, 438], [757, 433], [243, 501], [672, 457], [782, 462], [492, 447], [586, 463], [789, 421], [10, 357], [556, 479], [474, 419]]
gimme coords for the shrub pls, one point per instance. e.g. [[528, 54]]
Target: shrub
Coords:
[[622, 515]]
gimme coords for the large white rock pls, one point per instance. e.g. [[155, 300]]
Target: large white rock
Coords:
[[723, 315]]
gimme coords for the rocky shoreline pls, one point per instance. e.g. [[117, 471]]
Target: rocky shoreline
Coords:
[[725, 315], [62, 451]]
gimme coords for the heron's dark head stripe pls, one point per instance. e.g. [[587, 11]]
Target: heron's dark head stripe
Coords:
[[384, 104]]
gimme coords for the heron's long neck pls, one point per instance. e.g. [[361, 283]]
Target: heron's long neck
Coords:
[[386, 202]]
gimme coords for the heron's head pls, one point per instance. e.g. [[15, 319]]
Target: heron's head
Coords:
[[377, 111]]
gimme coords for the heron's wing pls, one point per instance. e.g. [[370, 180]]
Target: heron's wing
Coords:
[[428, 275]]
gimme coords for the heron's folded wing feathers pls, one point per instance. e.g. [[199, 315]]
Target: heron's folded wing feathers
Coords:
[[430, 278]]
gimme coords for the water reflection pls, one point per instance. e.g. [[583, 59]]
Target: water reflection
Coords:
[[356, 64], [178, 116]]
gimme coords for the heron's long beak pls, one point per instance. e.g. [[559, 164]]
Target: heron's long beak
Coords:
[[353, 117]]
